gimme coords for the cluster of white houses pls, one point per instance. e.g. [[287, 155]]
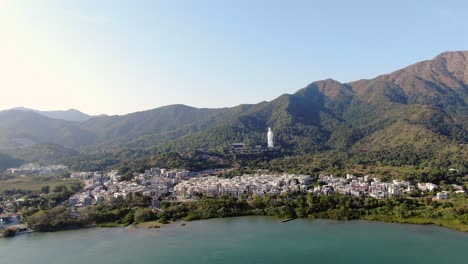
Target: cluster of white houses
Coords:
[[104, 186], [373, 187], [356, 186], [158, 182], [258, 184], [37, 168]]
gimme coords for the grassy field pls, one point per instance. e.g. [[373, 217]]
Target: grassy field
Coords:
[[151, 224], [31, 183], [419, 221], [110, 225]]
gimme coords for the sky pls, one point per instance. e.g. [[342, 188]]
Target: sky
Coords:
[[117, 57]]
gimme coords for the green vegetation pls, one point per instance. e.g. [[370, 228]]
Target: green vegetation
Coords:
[[109, 225], [453, 224], [150, 224], [33, 127], [406, 118], [407, 125], [142, 215], [452, 213], [171, 160], [9, 233], [34, 202], [134, 210], [7, 161], [18, 186], [45, 154], [57, 218], [118, 212]]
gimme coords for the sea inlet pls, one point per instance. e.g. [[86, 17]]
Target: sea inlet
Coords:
[[243, 240]]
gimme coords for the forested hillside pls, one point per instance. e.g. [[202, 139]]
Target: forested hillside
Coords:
[[416, 115]]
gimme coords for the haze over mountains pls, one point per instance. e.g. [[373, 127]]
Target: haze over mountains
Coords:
[[68, 115], [420, 111]]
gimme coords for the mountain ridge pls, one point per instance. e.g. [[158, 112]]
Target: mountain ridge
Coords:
[[425, 99], [67, 115]]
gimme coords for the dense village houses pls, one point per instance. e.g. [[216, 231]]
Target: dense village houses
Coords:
[[258, 184], [157, 183]]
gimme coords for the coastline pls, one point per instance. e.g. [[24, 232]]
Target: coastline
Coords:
[[377, 218], [418, 221], [343, 208]]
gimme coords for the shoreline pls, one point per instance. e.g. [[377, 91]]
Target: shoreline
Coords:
[[418, 221], [376, 218]]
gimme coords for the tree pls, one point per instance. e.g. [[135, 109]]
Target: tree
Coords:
[[310, 201], [9, 233], [60, 188], [45, 189], [144, 215]]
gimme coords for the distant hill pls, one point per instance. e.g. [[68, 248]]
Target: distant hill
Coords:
[[158, 125], [23, 128], [68, 115], [44, 153], [7, 161], [414, 115]]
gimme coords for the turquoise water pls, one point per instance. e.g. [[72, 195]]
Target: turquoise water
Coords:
[[244, 240]]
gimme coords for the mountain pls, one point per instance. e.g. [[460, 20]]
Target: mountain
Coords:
[[413, 115], [44, 153], [154, 126], [20, 129], [7, 161], [23, 128], [67, 115]]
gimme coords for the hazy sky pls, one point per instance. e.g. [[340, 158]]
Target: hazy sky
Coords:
[[115, 57]]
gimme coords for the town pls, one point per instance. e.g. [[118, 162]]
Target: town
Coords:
[[257, 184], [99, 186], [181, 185]]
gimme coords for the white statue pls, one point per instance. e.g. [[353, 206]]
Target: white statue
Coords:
[[270, 138]]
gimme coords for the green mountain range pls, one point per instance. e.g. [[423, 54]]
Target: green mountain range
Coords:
[[413, 115], [68, 115]]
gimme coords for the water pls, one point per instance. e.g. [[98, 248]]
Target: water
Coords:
[[244, 240]]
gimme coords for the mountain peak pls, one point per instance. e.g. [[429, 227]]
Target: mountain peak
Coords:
[[73, 110], [452, 55], [448, 70], [328, 84], [456, 64], [329, 87]]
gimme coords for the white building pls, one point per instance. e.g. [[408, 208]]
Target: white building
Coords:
[[427, 186], [270, 137], [442, 195]]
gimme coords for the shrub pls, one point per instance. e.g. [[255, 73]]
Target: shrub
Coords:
[[9, 233]]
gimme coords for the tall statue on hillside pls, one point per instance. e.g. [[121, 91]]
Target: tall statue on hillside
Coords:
[[270, 138]]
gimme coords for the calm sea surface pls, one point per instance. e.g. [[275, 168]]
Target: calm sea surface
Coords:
[[244, 240]]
